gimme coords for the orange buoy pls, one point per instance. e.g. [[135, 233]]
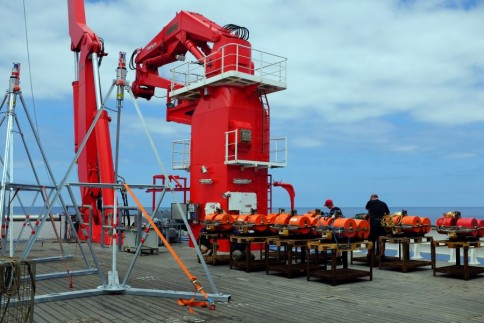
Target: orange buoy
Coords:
[[259, 221], [467, 223], [314, 222], [349, 226], [444, 222], [272, 217], [362, 229], [224, 220], [210, 217], [480, 224], [397, 219], [283, 219], [241, 219], [302, 222], [425, 224], [312, 214], [325, 222], [413, 222]]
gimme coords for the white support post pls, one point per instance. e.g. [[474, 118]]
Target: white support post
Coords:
[[416, 251], [473, 258], [452, 255]]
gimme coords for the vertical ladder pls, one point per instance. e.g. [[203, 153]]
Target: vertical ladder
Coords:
[[269, 193], [265, 122]]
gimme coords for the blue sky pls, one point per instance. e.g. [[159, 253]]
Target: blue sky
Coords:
[[383, 97]]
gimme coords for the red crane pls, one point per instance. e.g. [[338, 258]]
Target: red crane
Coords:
[[95, 163], [222, 96]]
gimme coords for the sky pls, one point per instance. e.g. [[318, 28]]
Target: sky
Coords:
[[382, 97]]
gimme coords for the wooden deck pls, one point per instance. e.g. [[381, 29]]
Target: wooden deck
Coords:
[[392, 296]]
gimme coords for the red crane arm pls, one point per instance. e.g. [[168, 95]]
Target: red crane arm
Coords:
[[82, 36], [187, 32], [95, 163]]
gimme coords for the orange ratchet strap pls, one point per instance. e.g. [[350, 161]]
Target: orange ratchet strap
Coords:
[[193, 279]]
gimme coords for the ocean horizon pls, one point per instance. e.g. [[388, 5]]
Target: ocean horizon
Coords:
[[431, 212]]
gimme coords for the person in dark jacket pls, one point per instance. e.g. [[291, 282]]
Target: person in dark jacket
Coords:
[[376, 210], [333, 210]]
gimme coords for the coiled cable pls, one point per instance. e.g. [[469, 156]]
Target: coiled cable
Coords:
[[237, 31]]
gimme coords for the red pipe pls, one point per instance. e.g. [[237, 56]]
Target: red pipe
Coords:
[[290, 189]]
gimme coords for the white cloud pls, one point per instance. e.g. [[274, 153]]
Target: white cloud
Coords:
[[348, 61], [391, 77]]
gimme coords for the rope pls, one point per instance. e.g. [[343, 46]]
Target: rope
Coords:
[[198, 287], [387, 222], [10, 278], [10, 283]]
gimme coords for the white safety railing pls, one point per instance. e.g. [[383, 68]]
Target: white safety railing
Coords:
[[231, 58], [277, 151], [180, 158]]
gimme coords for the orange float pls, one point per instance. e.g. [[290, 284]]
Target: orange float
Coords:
[[349, 226], [210, 217], [302, 222], [443, 222], [480, 224], [413, 222], [241, 219], [425, 224], [259, 222], [467, 223], [314, 220], [325, 221], [272, 217], [224, 221], [362, 229], [397, 219], [282, 219]]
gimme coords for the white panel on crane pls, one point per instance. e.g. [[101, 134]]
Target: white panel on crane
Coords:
[[242, 202]]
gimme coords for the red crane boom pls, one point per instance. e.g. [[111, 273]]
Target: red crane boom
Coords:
[[95, 163]]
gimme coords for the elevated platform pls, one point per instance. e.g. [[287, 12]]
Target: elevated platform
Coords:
[[226, 67], [231, 78]]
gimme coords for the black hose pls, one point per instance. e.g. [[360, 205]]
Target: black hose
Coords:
[[237, 31], [131, 60], [100, 59]]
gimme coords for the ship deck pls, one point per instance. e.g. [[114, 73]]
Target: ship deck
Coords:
[[391, 295]]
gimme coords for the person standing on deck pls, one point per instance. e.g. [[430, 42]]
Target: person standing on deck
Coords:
[[376, 210], [334, 211]]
